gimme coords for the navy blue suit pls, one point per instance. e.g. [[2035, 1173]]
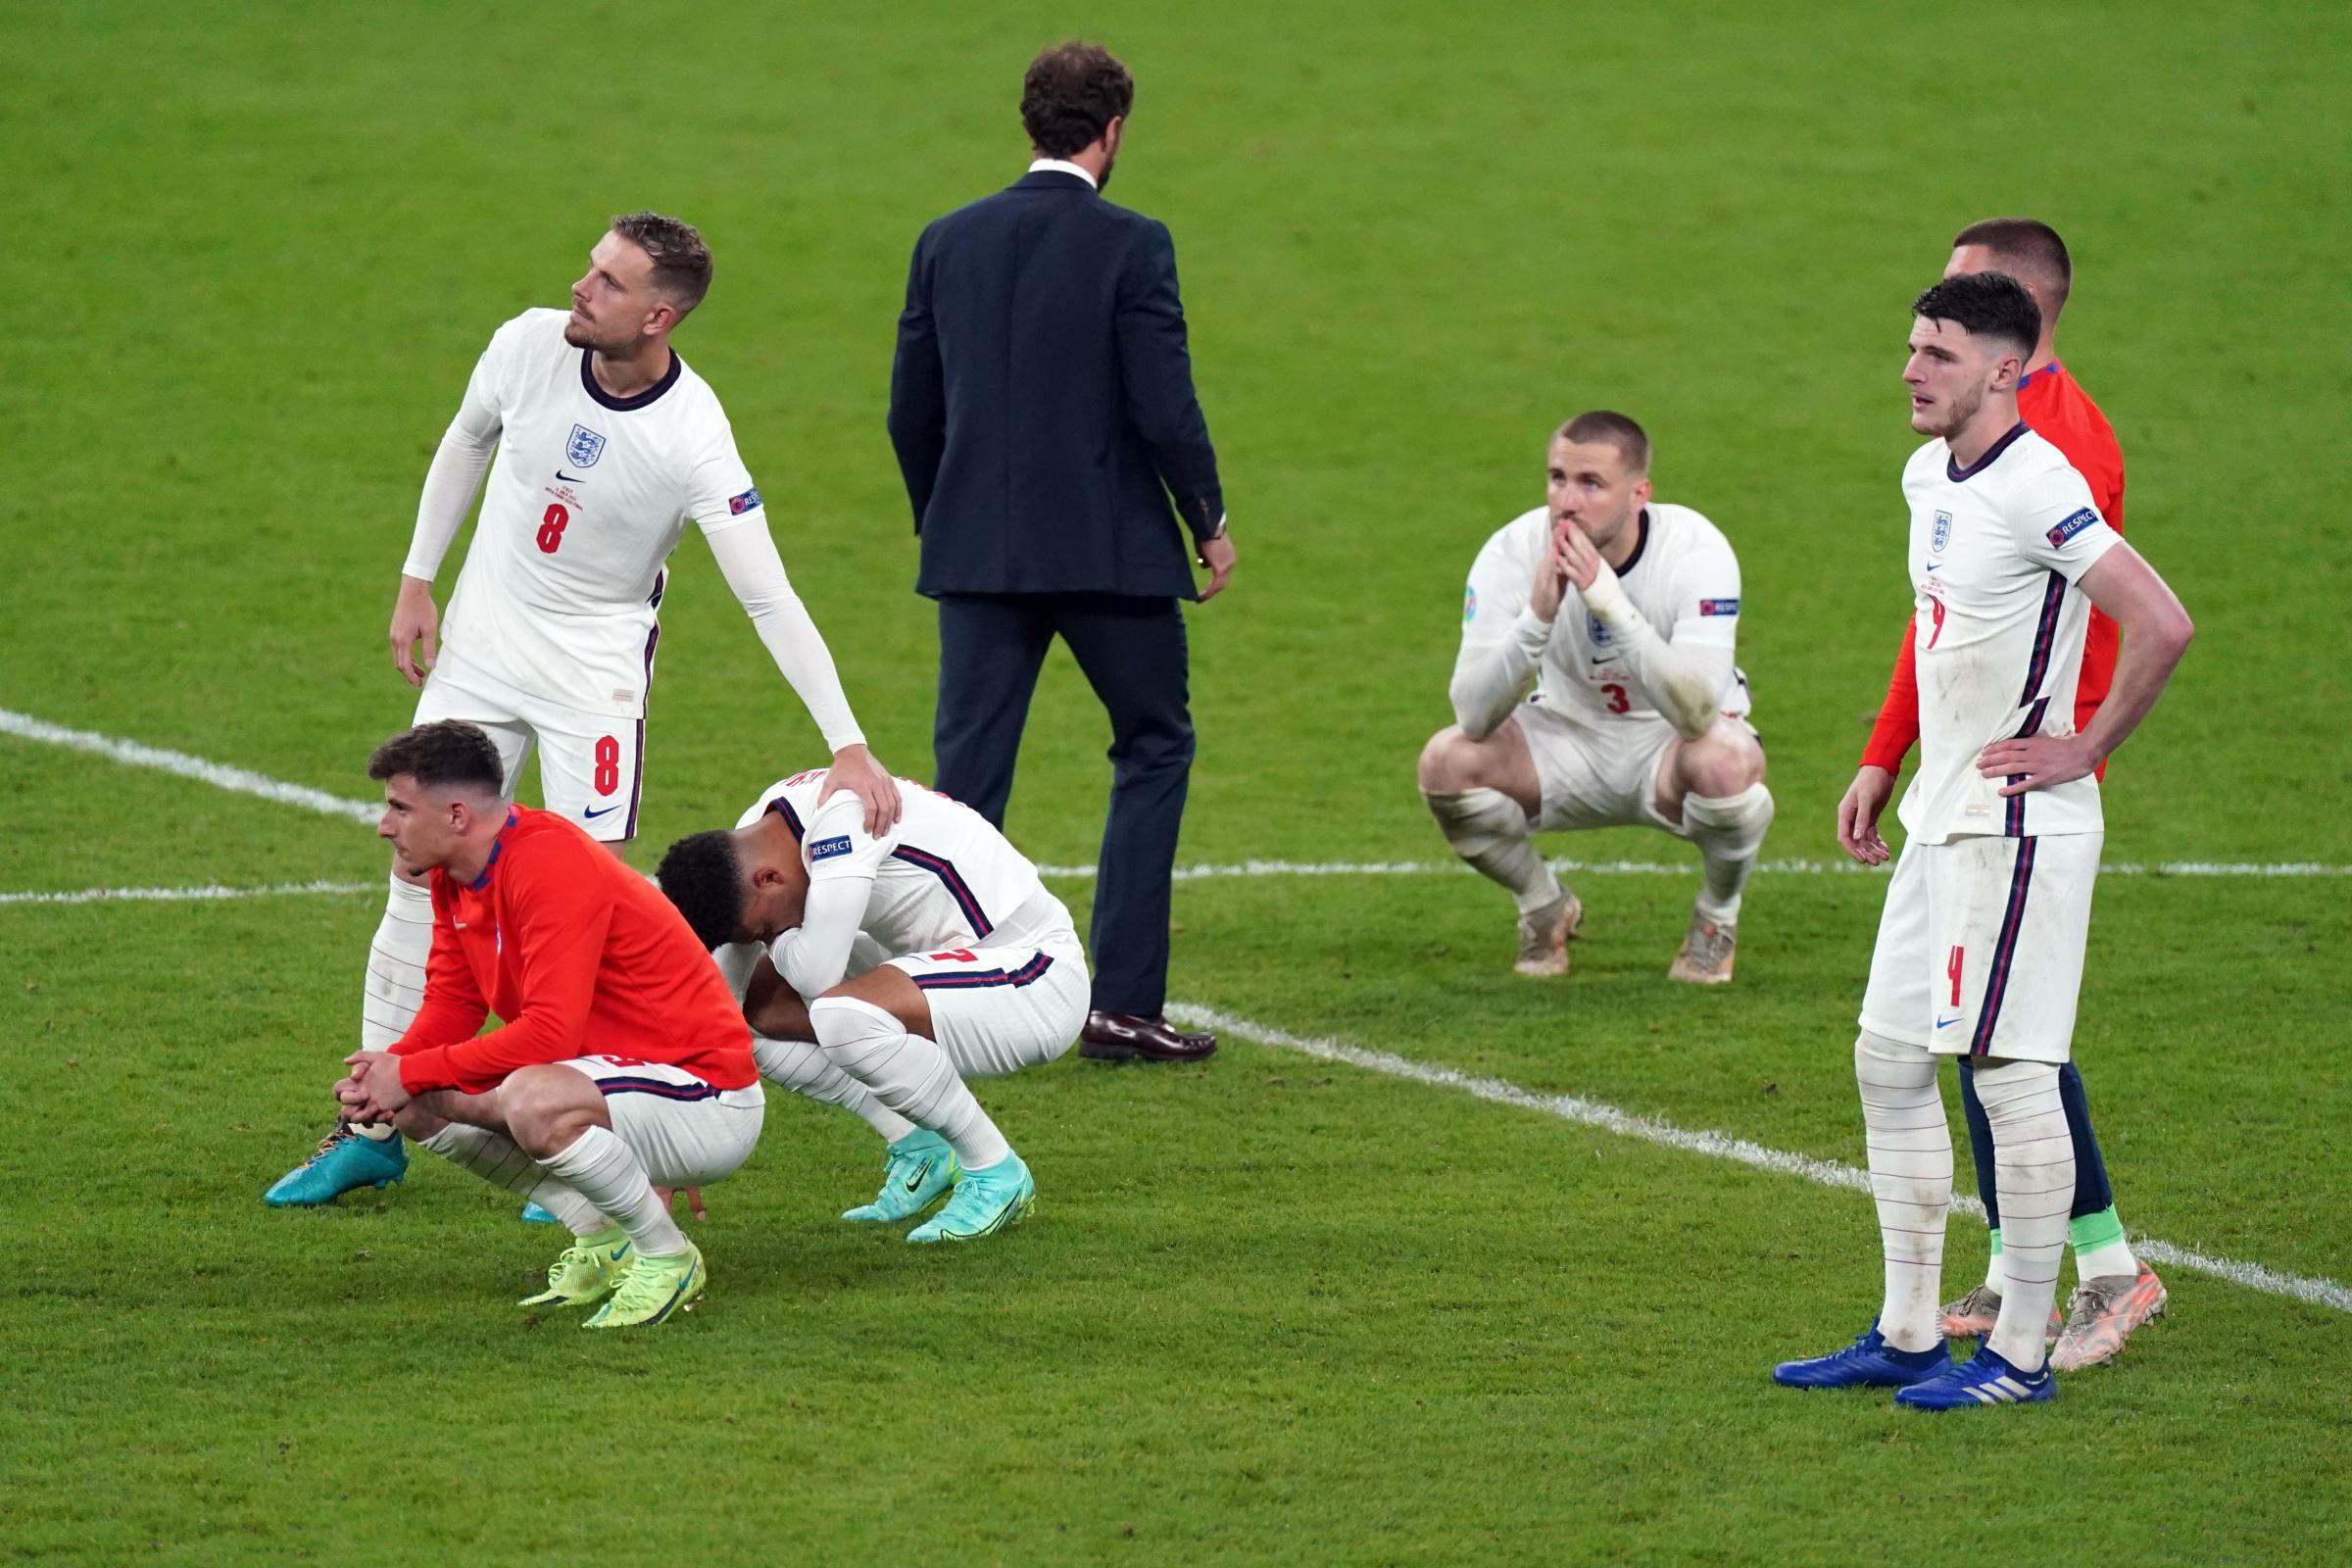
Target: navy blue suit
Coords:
[[1042, 406]]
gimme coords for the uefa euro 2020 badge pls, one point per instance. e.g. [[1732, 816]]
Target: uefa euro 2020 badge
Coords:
[[584, 448], [1469, 606], [1941, 534]]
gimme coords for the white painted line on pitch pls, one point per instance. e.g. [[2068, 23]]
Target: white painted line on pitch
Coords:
[[209, 893], [245, 782], [1715, 1144], [219, 775]]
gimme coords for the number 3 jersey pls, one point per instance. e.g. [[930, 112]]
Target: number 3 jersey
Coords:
[[587, 498], [943, 878], [1997, 548], [1681, 576]]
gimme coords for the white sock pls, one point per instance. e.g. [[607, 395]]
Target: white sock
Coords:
[[395, 984], [494, 1157], [1487, 828], [1911, 1177], [2100, 1263], [1728, 830], [2033, 1173], [803, 1068], [608, 1173], [1996, 1273], [909, 1074]]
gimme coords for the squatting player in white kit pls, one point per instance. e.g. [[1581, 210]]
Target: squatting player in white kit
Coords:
[[1981, 944], [913, 959], [607, 444], [1625, 611]]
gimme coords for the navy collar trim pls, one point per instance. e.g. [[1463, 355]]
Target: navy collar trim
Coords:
[[650, 395], [792, 818], [1641, 543], [497, 845], [1959, 475]]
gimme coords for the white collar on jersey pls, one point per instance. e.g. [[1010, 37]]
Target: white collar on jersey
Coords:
[[1056, 166]]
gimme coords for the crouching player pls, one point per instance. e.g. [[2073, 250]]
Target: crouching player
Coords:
[[1624, 612], [895, 967], [622, 1062]]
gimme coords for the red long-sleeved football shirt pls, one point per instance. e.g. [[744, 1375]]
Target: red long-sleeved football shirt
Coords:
[[580, 955], [2055, 408]]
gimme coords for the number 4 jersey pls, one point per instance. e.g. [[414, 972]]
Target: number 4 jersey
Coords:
[[1997, 548], [588, 496]]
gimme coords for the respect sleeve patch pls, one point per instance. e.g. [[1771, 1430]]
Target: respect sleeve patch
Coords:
[[2071, 526], [737, 506], [1719, 607], [828, 848]]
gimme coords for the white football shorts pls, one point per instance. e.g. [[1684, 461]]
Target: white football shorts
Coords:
[[995, 1011], [1595, 777], [685, 1131], [1981, 945], [591, 768]]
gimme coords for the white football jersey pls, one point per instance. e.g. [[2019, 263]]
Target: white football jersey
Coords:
[[943, 878], [1996, 551], [1682, 577], [589, 495]]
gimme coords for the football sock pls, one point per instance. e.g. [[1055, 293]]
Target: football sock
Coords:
[[1728, 831], [494, 1157], [395, 984], [607, 1172], [2034, 1165], [1994, 1270], [1911, 1178], [1488, 828], [909, 1074], [802, 1067], [2100, 1247]]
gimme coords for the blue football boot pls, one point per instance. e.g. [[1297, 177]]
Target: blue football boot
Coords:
[[533, 1214], [1986, 1378], [1870, 1362], [345, 1159]]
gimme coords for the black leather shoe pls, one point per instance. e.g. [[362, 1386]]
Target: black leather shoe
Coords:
[[1125, 1037]]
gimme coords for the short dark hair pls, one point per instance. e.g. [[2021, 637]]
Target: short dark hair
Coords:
[[1071, 93], [1606, 424], [702, 875], [1987, 305], [441, 755], [2026, 246], [681, 261]]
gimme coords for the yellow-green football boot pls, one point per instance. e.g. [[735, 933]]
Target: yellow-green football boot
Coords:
[[589, 1267], [919, 1167], [653, 1289]]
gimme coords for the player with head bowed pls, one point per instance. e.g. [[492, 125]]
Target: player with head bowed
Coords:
[[2116, 1292], [621, 1062], [880, 971], [1624, 612], [606, 446], [1980, 942]]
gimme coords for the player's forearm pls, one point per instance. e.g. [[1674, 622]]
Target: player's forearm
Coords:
[[483, 1063], [458, 464], [2152, 649], [814, 956], [747, 559], [1685, 684], [1490, 679]]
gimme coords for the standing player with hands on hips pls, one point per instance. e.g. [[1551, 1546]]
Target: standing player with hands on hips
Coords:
[[1981, 944], [1624, 613], [607, 445]]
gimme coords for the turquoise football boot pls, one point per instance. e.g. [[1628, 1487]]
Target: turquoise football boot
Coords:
[[920, 1168], [985, 1202], [345, 1160], [533, 1214]]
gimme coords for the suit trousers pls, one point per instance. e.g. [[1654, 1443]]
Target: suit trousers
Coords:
[[1132, 651]]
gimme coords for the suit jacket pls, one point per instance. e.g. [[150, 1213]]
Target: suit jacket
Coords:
[[1041, 400]]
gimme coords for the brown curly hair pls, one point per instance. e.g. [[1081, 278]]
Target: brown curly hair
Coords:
[[1071, 93], [681, 261]]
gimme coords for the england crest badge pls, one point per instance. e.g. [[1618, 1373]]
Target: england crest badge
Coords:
[[584, 447], [1599, 633], [1941, 534]]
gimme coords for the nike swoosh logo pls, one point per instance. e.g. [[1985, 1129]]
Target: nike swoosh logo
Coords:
[[1934, 565], [595, 812], [1945, 1023], [570, 478], [621, 1252]]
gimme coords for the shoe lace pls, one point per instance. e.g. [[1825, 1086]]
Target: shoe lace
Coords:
[[335, 1135]]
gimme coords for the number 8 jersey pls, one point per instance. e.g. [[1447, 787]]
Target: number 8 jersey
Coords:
[[588, 496]]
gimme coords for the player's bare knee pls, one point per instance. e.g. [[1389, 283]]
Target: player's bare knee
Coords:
[[1722, 763], [1443, 763], [547, 1107]]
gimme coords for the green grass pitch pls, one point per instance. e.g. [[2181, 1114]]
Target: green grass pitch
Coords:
[[1273, 1309]]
